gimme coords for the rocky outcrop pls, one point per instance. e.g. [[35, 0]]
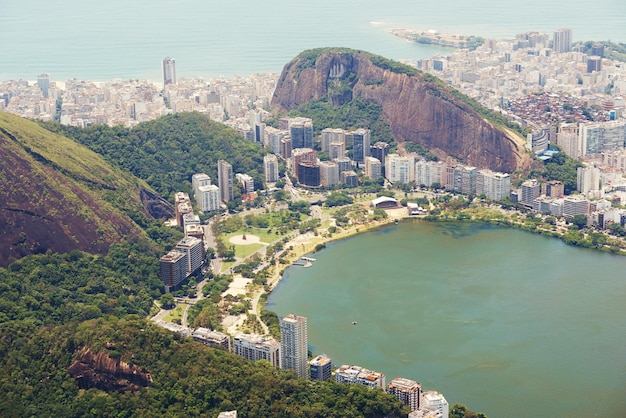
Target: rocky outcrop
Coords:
[[102, 372], [418, 107], [155, 205]]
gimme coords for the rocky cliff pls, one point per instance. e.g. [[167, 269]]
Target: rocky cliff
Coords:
[[102, 372], [418, 107]]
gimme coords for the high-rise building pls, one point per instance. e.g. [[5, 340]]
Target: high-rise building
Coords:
[[197, 180], [273, 137], [373, 167], [407, 391], [531, 189], [43, 82], [587, 179], [320, 368], [380, 150], [303, 155], [169, 71], [594, 64], [255, 347], [495, 186], [301, 132], [337, 150], [330, 135], [329, 173], [225, 180], [562, 41], [465, 179], [344, 164], [360, 140], [173, 268], [294, 344], [208, 198], [361, 376], [429, 173], [400, 169], [555, 188], [285, 147], [594, 138], [270, 168], [193, 248]]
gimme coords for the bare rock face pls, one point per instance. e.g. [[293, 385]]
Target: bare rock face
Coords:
[[155, 205], [418, 107], [102, 372]]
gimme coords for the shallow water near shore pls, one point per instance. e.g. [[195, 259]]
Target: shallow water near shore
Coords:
[[509, 323]]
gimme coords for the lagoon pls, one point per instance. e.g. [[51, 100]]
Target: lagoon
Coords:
[[509, 323]]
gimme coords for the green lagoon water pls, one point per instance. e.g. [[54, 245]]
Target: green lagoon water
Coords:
[[509, 323]]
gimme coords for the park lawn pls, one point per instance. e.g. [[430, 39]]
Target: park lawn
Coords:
[[176, 313], [266, 237]]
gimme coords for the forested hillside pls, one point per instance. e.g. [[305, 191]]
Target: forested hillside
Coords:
[[166, 152], [143, 370]]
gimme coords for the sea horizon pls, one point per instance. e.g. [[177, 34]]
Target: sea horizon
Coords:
[[121, 40]]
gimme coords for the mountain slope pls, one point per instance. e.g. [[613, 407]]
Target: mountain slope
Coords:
[[57, 195], [418, 107]]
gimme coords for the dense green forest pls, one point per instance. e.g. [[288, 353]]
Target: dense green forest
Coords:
[[167, 151], [50, 289], [188, 378]]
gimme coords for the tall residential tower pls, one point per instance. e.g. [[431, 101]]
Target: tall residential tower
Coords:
[[294, 344], [169, 71]]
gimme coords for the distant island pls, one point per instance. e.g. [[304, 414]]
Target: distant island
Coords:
[[434, 37]]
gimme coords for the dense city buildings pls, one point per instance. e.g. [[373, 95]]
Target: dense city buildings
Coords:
[[255, 347], [409, 392], [294, 344], [320, 368], [225, 179]]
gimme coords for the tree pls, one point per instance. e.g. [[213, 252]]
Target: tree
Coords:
[[167, 301], [580, 221]]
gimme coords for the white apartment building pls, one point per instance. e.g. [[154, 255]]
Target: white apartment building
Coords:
[[208, 198], [400, 169]]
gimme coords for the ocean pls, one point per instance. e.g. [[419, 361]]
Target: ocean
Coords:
[[128, 39]]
